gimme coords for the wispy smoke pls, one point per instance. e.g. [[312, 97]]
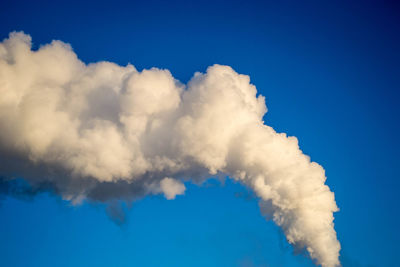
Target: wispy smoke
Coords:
[[104, 132]]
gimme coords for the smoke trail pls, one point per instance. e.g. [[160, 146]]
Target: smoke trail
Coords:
[[104, 132]]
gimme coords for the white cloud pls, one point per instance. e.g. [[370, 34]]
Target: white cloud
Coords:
[[171, 188], [103, 131]]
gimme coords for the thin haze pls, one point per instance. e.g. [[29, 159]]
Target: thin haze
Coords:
[[104, 132]]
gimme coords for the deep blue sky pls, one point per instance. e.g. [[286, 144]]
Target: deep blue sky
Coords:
[[331, 76]]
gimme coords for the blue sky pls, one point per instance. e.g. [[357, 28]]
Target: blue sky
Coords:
[[330, 75]]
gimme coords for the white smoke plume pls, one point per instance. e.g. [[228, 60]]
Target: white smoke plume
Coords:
[[102, 132]]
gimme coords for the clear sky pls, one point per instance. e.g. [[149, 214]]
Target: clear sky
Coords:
[[330, 74]]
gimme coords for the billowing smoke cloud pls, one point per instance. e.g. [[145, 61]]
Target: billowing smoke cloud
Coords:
[[104, 132]]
